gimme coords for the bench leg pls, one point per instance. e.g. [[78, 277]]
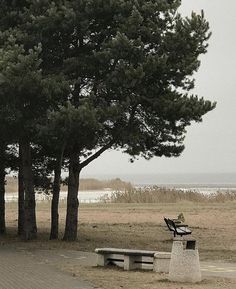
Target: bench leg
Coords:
[[101, 260], [129, 263]]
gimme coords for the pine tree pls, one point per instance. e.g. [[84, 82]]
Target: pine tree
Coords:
[[133, 65]]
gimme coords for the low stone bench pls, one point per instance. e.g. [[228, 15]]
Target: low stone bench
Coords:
[[126, 258]]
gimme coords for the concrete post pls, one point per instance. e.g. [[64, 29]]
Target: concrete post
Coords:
[[184, 263]]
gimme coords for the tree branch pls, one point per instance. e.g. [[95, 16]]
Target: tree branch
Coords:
[[107, 146], [96, 155]]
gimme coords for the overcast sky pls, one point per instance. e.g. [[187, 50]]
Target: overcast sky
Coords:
[[210, 145]]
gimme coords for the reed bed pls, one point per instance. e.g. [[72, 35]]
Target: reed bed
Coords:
[[166, 195]]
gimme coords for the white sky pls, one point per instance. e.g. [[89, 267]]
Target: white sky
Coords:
[[210, 145]]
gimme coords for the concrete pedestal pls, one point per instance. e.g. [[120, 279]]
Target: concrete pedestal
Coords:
[[184, 263], [161, 262]]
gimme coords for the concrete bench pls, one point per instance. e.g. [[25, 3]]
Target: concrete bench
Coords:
[[126, 258]]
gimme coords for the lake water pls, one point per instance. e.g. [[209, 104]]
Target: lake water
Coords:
[[84, 196]]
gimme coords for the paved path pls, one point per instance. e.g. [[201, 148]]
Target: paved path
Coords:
[[38, 269], [218, 269], [18, 270]]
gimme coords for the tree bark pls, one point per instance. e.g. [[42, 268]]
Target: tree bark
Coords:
[[2, 200], [55, 198], [72, 200], [21, 196], [30, 228]]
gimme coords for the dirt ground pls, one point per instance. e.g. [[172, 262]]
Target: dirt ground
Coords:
[[110, 278], [140, 226]]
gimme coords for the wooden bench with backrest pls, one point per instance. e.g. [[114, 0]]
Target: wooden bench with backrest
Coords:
[[126, 258], [177, 227]]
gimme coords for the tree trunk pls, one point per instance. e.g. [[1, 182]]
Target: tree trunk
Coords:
[[30, 228], [2, 200], [72, 200], [21, 196], [55, 198]]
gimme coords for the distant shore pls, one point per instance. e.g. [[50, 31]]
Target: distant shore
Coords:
[[220, 180], [88, 184]]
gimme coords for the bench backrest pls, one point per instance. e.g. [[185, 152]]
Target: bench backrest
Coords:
[[170, 224]]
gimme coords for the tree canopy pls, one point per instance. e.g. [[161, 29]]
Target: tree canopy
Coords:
[[80, 77]]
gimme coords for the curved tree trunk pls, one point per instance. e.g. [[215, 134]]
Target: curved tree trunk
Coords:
[[55, 199], [72, 200], [30, 228], [21, 196], [2, 201]]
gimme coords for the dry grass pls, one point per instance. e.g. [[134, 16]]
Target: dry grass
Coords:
[[166, 195], [141, 226]]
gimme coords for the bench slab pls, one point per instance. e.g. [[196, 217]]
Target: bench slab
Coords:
[[129, 252], [126, 258]]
